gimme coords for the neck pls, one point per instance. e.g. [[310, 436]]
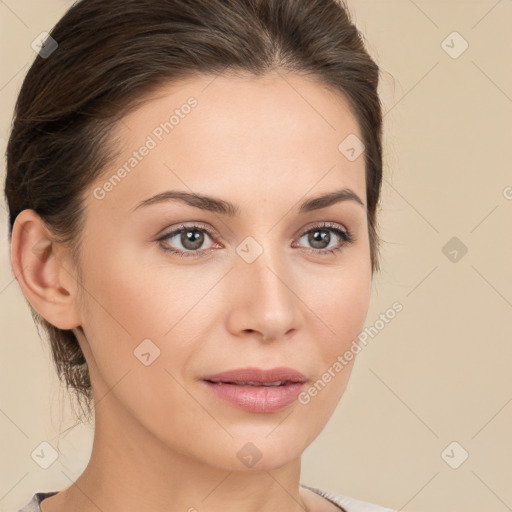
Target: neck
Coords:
[[130, 469]]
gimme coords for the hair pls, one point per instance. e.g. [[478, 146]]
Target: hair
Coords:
[[112, 55]]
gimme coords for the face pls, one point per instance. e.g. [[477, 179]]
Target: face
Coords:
[[178, 290]]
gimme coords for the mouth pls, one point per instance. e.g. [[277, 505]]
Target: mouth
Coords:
[[257, 390], [253, 383]]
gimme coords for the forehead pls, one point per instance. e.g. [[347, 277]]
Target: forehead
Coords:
[[213, 133], [262, 105]]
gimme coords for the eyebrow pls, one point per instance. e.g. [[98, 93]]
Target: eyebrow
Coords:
[[215, 205]]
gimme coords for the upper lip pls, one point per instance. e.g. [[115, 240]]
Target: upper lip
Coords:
[[258, 375]]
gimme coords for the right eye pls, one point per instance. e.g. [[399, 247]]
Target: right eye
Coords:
[[191, 239]]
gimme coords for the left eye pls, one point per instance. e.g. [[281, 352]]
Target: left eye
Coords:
[[321, 235]]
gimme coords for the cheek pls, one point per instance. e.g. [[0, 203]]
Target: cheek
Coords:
[[138, 304], [339, 296], [137, 327], [338, 299], [342, 304], [351, 307]]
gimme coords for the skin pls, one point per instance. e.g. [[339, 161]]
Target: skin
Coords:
[[163, 442]]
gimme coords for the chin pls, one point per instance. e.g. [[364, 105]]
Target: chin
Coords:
[[256, 451]]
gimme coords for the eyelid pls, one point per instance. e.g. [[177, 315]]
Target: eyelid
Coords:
[[189, 224], [325, 224]]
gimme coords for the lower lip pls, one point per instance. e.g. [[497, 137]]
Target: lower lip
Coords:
[[261, 399]]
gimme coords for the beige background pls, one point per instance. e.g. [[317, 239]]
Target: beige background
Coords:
[[440, 370]]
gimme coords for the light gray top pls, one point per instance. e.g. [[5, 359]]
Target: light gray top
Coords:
[[344, 503], [349, 504]]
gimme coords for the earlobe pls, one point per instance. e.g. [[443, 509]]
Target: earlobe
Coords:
[[43, 271]]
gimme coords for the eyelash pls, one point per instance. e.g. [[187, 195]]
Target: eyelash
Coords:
[[345, 235]]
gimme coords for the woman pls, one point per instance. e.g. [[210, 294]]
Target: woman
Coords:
[[192, 188]]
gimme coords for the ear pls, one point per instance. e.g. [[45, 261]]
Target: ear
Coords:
[[44, 271]]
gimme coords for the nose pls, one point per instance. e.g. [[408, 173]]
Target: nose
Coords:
[[263, 301]]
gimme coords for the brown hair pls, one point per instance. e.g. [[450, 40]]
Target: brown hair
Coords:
[[111, 55]]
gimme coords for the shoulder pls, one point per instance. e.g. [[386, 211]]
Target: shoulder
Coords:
[[349, 504], [33, 504]]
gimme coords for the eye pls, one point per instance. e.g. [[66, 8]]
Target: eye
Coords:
[[191, 239], [320, 238]]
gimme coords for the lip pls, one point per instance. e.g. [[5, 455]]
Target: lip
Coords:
[[231, 387]]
